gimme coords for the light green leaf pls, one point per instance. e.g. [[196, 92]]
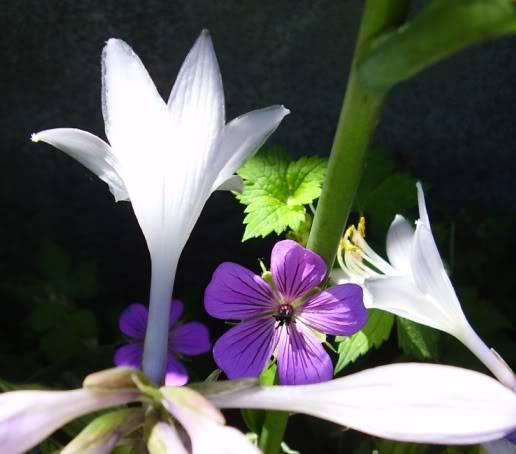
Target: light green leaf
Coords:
[[276, 191], [374, 334], [417, 340]]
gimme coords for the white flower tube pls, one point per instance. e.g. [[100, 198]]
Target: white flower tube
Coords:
[[28, 417], [415, 285], [424, 403], [167, 158]]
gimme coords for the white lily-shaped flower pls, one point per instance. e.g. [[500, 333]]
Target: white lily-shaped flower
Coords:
[[167, 158], [414, 285], [423, 403]]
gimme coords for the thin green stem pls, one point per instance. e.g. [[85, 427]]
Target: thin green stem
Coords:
[[358, 118]]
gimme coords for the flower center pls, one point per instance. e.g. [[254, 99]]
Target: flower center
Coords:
[[284, 315]]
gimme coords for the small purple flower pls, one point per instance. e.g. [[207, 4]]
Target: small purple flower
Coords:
[[191, 339], [280, 319]]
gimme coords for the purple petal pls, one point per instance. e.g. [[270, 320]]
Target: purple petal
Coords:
[[191, 339], [337, 310], [245, 349], [133, 321], [295, 269], [176, 374], [176, 310], [301, 357], [235, 293], [129, 355]]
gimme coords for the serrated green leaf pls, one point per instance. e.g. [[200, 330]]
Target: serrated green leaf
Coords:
[[277, 190], [417, 340], [374, 334]]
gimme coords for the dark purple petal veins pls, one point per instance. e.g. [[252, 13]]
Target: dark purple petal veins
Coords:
[[338, 310], [244, 350], [295, 270], [235, 293], [190, 339], [133, 321], [301, 357], [129, 355]]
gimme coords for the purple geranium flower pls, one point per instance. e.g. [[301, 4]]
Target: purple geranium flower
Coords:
[[281, 318], [191, 339]]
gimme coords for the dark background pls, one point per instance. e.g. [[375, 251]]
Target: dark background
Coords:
[[452, 127]]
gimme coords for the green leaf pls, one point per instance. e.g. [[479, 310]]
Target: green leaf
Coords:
[[417, 340], [276, 191], [374, 334]]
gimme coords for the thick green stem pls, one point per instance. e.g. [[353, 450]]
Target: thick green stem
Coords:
[[358, 118], [443, 28], [273, 431], [274, 422]]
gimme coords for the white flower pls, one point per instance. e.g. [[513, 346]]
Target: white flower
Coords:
[[423, 403], [204, 424], [28, 417], [167, 158], [414, 285]]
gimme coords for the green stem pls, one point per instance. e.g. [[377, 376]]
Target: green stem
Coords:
[[274, 422], [358, 118], [273, 431], [441, 29]]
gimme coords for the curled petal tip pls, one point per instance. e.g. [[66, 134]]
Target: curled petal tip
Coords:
[[34, 137], [285, 110], [205, 32]]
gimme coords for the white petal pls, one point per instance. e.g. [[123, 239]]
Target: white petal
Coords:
[[423, 213], [399, 240], [196, 102], [400, 296], [132, 107], [28, 417], [139, 130], [164, 439], [233, 183], [244, 136], [208, 435], [429, 274], [91, 151], [424, 403]]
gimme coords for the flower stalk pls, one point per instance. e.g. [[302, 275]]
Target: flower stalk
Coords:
[[357, 121], [440, 30], [360, 112]]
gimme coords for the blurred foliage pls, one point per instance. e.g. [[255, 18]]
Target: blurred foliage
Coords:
[[54, 327]]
